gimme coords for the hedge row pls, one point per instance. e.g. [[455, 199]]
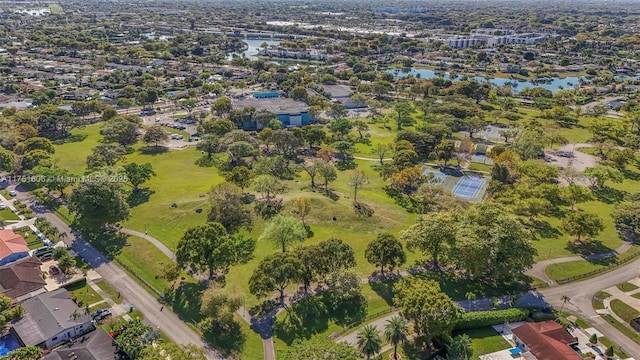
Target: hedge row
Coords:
[[478, 319]]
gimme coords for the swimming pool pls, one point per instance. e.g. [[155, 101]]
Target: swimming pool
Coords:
[[8, 343]]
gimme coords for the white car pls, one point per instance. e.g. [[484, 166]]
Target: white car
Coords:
[[13, 193], [3, 206]]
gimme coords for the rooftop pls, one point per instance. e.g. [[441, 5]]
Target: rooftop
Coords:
[[338, 91], [547, 340], [47, 315], [21, 277], [96, 345], [277, 105], [11, 243]]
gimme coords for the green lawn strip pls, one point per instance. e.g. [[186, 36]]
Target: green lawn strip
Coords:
[[485, 340], [623, 328], [572, 269], [64, 214], [145, 260], [7, 214], [626, 287], [33, 241], [83, 294], [618, 352], [5, 193], [111, 292], [636, 295], [624, 311], [252, 349], [588, 150], [597, 300]]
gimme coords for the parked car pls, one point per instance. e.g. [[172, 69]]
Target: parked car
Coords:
[[46, 257], [100, 314], [53, 270], [13, 193], [3, 206]]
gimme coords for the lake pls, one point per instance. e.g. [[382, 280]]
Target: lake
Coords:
[[254, 47], [553, 84]]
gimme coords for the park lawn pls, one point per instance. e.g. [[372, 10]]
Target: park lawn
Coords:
[[624, 311], [110, 291], [252, 349], [485, 340], [178, 181], [72, 154], [145, 260], [83, 294], [571, 269], [626, 287], [7, 214]]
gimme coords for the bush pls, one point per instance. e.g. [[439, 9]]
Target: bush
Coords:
[[479, 319]]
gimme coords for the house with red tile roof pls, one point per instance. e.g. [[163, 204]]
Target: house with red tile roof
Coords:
[[546, 340], [12, 247]]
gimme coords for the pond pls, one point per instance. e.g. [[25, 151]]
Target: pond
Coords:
[[553, 84], [253, 48]]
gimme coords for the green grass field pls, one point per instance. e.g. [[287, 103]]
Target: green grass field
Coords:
[[111, 292], [83, 294], [624, 311], [7, 214], [485, 341], [627, 286]]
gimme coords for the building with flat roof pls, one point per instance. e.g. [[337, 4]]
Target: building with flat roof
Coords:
[[290, 112]]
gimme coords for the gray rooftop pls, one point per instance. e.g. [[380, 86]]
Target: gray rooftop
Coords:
[[96, 345], [277, 106], [47, 315], [338, 91]]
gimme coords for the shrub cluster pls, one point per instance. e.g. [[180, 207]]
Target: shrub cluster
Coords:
[[478, 319]]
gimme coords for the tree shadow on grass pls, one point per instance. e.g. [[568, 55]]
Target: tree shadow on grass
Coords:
[[186, 301], [587, 247], [313, 315], [154, 150], [631, 175], [457, 288], [609, 195], [229, 340], [544, 229], [140, 196], [384, 289], [72, 138], [109, 242]]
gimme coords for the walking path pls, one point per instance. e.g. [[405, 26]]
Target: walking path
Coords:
[[538, 269], [157, 243], [167, 321]]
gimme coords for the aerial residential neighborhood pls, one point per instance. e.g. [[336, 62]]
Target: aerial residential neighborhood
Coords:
[[335, 180]]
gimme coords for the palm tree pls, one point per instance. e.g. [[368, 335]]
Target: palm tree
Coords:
[[460, 348], [565, 299], [395, 332], [471, 297], [369, 342]]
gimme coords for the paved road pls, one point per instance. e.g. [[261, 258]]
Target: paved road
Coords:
[[166, 321], [580, 305], [538, 269]]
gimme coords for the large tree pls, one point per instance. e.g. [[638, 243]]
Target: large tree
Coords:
[[284, 231], [135, 338], [328, 173], [492, 244], [357, 180], [99, 202], [626, 217], [334, 255], [209, 144], [155, 135], [164, 350], [579, 223], [209, 247], [274, 273], [385, 251], [106, 155], [138, 174], [433, 234], [433, 313], [120, 131], [8, 312], [7, 160], [25, 353], [228, 208]]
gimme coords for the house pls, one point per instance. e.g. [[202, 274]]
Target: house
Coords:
[[12, 247], [546, 340], [342, 94], [96, 345], [290, 112], [51, 318], [20, 279]]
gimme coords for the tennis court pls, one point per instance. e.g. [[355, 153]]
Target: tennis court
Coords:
[[438, 177], [468, 186]]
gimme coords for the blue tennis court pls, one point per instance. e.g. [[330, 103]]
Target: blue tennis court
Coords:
[[438, 177], [468, 186]]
